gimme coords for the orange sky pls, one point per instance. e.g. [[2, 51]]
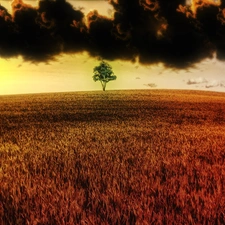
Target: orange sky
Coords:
[[74, 72]]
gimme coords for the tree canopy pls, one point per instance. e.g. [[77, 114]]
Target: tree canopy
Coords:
[[103, 73]]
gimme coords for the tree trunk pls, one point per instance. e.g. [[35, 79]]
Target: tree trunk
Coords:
[[103, 86]]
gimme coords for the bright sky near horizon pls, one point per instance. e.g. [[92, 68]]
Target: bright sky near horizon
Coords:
[[73, 72]]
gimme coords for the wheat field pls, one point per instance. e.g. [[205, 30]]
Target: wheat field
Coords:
[[134, 157]]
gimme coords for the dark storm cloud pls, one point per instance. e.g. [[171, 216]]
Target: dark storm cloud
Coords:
[[172, 32], [7, 33], [102, 40], [39, 34]]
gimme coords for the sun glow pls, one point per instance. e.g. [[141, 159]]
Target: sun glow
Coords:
[[195, 4]]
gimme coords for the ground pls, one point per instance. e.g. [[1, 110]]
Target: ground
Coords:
[[114, 157]]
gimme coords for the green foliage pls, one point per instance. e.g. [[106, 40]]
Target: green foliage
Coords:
[[103, 73]]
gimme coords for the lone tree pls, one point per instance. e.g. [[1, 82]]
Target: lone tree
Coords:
[[104, 74]]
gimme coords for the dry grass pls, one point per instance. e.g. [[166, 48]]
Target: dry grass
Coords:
[[119, 157]]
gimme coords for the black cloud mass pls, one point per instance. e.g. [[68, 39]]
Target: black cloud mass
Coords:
[[172, 32]]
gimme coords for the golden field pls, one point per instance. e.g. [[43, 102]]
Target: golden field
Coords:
[[112, 158]]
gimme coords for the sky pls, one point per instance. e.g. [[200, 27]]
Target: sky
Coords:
[[53, 47]]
